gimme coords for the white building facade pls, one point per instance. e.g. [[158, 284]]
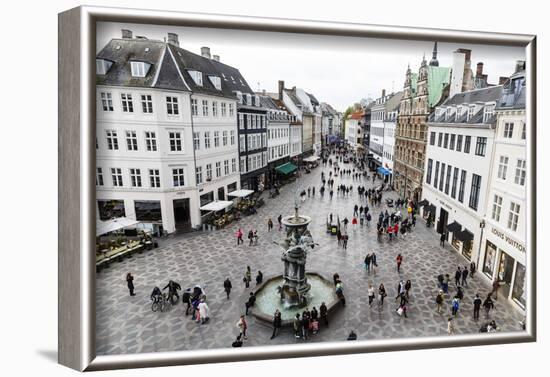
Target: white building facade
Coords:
[[504, 238]]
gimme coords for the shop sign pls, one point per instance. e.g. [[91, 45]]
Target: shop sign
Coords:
[[508, 239]]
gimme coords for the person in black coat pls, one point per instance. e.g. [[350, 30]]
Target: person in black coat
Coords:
[[186, 299], [442, 239], [458, 276], [259, 278], [477, 306], [465, 276], [276, 323], [227, 287], [130, 283], [251, 301], [323, 312]]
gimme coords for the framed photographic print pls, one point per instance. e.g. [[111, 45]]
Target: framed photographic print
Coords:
[[236, 188]]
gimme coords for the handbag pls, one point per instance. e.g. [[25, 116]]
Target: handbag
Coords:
[[400, 310]]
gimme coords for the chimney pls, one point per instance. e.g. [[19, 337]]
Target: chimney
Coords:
[[126, 34], [502, 80], [216, 57], [520, 65], [479, 69], [281, 88], [205, 52], [383, 94], [173, 39], [466, 52]]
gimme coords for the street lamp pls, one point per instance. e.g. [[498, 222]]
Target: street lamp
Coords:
[[481, 226]]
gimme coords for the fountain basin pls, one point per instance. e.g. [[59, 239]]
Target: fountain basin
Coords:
[[268, 298]]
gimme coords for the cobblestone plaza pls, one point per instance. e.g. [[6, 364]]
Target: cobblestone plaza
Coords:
[[126, 324]]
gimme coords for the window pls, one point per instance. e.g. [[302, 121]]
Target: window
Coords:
[[448, 179], [502, 167], [216, 139], [232, 137], [508, 130], [206, 139], [99, 177], [196, 76], [462, 185], [513, 216], [497, 206], [172, 105], [112, 140], [481, 145], [194, 107], [523, 131], [116, 175], [429, 171], [127, 103], [224, 138], [139, 69], [459, 143], [231, 109], [107, 101], [455, 180], [175, 141], [204, 107], [224, 109], [471, 110], [436, 173], [241, 121], [442, 177], [488, 112], [446, 141], [233, 165], [150, 141], [216, 81], [131, 140], [102, 66], [242, 143], [146, 103], [439, 139], [154, 177], [452, 142], [520, 173], [218, 169], [198, 174], [226, 167], [474, 191], [467, 142], [196, 140], [242, 165], [208, 172], [179, 177], [214, 108], [135, 177]]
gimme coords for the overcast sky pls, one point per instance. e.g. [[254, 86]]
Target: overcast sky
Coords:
[[337, 70]]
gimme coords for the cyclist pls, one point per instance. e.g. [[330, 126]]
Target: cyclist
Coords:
[[156, 294]]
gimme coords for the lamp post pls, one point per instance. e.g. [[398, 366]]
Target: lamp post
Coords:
[[481, 226]]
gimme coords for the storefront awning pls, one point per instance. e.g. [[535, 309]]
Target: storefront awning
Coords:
[[216, 206], [240, 193], [465, 235], [423, 203], [286, 168], [383, 171], [430, 208], [454, 227], [104, 227]]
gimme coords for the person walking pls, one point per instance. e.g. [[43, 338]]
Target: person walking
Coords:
[[389, 230], [442, 239], [269, 225], [239, 235], [243, 326], [186, 299], [446, 281], [259, 277], [399, 260], [204, 312], [276, 323], [439, 301], [345, 241], [297, 324], [488, 305], [371, 295], [396, 229], [313, 191], [367, 262], [173, 289], [247, 277], [451, 326], [227, 287], [250, 237], [408, 286], [496, 286], [356, 210], [250, 303], [373, 262], [305, 323], [465, 276], [381, 295], [130, 283], [458, 276], [472, 269], [323, 313], [455, 304], [477, 306], [280, 221]]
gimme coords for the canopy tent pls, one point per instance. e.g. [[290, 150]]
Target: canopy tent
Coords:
[[216, 205], [240, 193], [454, 227], [108, 226], [383, 171], [287, 168], [465, 235], [311, 159], [423, 203]]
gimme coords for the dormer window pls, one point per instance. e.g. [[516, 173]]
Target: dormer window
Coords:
[[102, 66], [471, 110], [248, 99], [239, 97], [196, 76], [216, 81], [488, 111], [224, 77], [257, 101], [139, 69]]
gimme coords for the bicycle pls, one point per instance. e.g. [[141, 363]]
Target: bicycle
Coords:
[[160, 303]]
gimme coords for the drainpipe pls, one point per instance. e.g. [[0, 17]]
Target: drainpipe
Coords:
[[194, 152]]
